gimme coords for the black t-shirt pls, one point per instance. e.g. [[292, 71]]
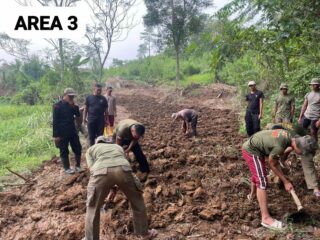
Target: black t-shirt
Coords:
[[96, 106], [254, 101]]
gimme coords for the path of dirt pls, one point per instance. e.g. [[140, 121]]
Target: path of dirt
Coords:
[[197, 188]]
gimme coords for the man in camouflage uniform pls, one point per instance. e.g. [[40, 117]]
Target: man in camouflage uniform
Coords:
[[284, 106]]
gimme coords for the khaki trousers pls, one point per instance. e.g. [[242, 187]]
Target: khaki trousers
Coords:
[[309, 171], [100, 183]]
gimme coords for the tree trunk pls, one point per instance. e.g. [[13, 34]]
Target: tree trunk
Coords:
[[177, 68], [61, 55]]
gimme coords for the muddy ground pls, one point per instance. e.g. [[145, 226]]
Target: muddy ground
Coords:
[[196, 190]]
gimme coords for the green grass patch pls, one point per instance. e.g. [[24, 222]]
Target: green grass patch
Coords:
[[202, 79], [25, 137]]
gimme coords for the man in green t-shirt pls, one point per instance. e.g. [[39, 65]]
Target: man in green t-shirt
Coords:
[[284, 106], [309, 169], [128, 132], [269, 146], [109, 167]]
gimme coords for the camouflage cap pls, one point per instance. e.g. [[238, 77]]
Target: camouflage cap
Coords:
[[104, 139], [307, 144], [283, 86], [315, 81], [69, 92], [251, 83]]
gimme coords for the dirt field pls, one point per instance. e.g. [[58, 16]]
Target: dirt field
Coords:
[[196, 190]]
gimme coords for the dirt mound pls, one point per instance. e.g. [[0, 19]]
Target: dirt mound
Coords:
[[196, 190]]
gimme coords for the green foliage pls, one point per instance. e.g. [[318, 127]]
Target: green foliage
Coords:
[[25, 137]]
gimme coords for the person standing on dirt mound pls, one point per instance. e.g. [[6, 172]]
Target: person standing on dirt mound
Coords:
[[64, 130], [112, 112], [128, 132], [310, 111], [284, 107], [269, 146], [254, 109], [308, 166], [190, 120], [96, 108], [109, 167]]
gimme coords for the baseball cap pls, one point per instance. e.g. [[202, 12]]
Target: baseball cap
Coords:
[[251, 83], [315, 81], [283, 86], [307, 144], [104, 139], [69, 92], [109, 87]]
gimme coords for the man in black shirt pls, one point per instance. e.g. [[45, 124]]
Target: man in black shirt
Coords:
[[64, 130], [254, 109], [94, 113]]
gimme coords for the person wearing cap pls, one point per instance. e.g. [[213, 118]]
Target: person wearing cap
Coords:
[[112, 112], [310, 111], [64, 130], [127, 134], [96, 107], [308, 166], [284, 106], [270, 146], [108, 168], [254, 109], [189, 119]]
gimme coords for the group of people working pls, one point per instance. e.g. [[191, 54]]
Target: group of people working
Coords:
[[281, 137]]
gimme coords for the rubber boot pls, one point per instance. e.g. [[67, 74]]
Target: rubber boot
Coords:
[[66, 163], [105, 131], [78, 160], [111, 131]]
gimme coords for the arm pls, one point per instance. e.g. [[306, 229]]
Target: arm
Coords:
[[303, 109], [292, 109], [275, 167], [261, 107], [85, 111], [275, 109], [55, 122], [119, 141], [115, 106], [131, 145], [89, 158]]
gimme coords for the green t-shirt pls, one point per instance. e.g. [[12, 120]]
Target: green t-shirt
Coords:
[[284, 106], [123, 129], [105, 155], [268, 143]]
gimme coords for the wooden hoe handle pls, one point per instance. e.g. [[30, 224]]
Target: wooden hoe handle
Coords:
[[296, 200]]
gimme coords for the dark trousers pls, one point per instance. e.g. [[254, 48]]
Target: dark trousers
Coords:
[[75, 144], [139, 155], [313, 128], [95, 129], [252, 123]]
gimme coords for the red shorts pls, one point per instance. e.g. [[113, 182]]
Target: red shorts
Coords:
[[257, 166], [109, 120]]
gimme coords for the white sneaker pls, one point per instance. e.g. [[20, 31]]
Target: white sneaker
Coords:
[[69, 171], [78, 169]]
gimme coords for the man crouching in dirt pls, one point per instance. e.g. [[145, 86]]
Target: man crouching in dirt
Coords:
[[128, 132], [270, 146], [109, 167], [189, 117], [308, 166]]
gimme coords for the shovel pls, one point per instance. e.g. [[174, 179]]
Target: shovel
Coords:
[[300, 215]]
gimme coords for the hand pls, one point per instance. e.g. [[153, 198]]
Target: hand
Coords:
[[300, 120], [127, 154], [260, 116], [288, 186], [56, 140], [85, 121], [318, 124]]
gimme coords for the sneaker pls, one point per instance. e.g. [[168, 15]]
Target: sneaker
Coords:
[[78, 169], [69, 171]]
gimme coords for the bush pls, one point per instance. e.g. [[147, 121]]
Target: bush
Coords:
[[191, 70]]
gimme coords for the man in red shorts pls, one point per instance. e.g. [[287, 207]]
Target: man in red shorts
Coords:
[[112, 112], [269, 146]]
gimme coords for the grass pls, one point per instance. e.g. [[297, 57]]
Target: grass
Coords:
[[25, 137]]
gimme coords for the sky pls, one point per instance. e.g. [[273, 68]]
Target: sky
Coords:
[[124, 50]]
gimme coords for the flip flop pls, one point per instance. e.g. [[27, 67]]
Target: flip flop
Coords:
[[317, 194], [276, 225]]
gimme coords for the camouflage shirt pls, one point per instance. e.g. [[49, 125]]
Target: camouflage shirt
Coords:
[[284, 105]]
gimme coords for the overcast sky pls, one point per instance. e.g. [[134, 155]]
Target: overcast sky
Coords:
[[125, 50]]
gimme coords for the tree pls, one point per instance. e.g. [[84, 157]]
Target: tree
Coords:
[[18, 48], [112, 23], [176, 21]]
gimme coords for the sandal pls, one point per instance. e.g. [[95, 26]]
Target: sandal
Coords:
[[276, 225]]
